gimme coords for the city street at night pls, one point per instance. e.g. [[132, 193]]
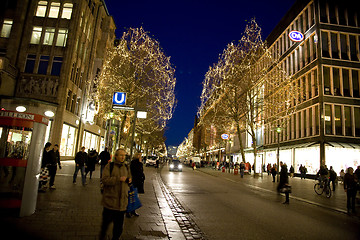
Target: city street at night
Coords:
[[200, 204]]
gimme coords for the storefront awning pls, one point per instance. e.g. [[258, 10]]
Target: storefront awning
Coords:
[[343, 145]]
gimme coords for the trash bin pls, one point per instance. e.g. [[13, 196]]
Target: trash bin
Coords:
[[223, 169], [236, 171]]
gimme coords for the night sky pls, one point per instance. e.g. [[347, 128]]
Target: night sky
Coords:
[[194, 33]]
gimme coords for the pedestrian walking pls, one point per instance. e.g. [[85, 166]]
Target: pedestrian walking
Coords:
[[44, 174], [138, 177], [242, 169], [115, 194], [333, 177], [54, 162], [284, 183], [342, 175], [350, 189], [302, 170], [91, 161], [268, 169], [273, 171], [80, 160], [291, 171], [104, 159]]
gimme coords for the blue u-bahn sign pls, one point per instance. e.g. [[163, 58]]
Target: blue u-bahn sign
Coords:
[[296, 36], [119, 98]]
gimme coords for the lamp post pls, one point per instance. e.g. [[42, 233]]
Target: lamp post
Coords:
[[278, 130]]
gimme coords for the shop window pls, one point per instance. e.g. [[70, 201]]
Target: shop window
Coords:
[[68, 140], [61, 37], [30, 63], [327, 81], [357, 121], [54, 10], [68, 100], [325, 44], [346, 82], [355, 83], [307, 43], [338, 120], [334, 46], [336, 81], [328, 119], [6, 28], [353, 52], [344, 47], [67, 10], [348, 125], [41, 9], [43, 64], [56, 66], [49, 36], [36, 35]]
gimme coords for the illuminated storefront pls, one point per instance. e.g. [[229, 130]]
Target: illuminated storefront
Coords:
[[90, 141], [68, 140]]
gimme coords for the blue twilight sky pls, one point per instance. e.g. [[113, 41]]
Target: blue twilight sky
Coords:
[[194, 33]]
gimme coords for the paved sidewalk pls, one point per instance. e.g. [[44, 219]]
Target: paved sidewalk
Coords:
[[302, 189], [73, 211]]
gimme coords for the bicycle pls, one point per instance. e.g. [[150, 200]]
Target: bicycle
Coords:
[[322, 187]]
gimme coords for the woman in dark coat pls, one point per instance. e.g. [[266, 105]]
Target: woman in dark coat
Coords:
[[284, 181], [138, 177], [91, 161]]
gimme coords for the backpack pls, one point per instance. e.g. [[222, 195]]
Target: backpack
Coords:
[[101, 184]]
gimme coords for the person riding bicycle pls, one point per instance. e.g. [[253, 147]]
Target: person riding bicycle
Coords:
[[323, 175]]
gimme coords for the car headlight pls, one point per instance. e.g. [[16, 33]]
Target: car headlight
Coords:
[[171, 165], [180, 166]]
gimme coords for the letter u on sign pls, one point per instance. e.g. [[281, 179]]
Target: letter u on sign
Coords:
[[119, 98]]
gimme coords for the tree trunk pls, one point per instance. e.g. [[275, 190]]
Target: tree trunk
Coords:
[[240, 142]]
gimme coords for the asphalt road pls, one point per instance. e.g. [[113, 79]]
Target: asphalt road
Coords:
[[225, 209]]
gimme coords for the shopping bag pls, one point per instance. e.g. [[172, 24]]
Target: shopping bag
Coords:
[[133, 199], [44, 174], [286, 189]]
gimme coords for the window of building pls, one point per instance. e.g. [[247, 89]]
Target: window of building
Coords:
[[338, 120], [6, 28], [49, 36], [344, 47], [317, 120], [355, 83], [36, 35], [334, 46], [346, 82], [323, 12], [77, 107], [327, 81], [68, 140], [30, 63], [303, 123], [336, 81], [67, 10], [351, 17], [341, 13], [314, 82], [312, 15], [56, 66], [54, 10], [43, 64], [328, 119], [68, 100], [41, 9], [325, 44], [348, 125], [73, 103], [61, 37], [357, 121], [311, 121], [332, 13], [353, 52]]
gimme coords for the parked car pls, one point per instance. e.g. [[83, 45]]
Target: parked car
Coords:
[[175, 165], [151, 161]]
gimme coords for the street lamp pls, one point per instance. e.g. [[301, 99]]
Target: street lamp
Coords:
[[278, 130]]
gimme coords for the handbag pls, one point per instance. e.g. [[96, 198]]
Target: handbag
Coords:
[[133, 199], [44, 174], [285, 189]]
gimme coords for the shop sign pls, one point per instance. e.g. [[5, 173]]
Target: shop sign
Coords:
[[17, 115], [224, 136], [296, 36]]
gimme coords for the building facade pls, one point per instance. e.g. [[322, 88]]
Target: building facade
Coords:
[[50, 54]]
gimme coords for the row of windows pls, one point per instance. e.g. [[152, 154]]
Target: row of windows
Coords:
[[49, 36], [43, 65], [342, 120], [340, 45], [76, 76], [341, 82], [340, 13], [72, 103], [302, 23], [52, 9]]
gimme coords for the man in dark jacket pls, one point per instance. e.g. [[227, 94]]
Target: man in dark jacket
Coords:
[[350, 189], [138, 177], [284, 181], [80, 159], [104, 159], [333, 177], [54, 161]]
